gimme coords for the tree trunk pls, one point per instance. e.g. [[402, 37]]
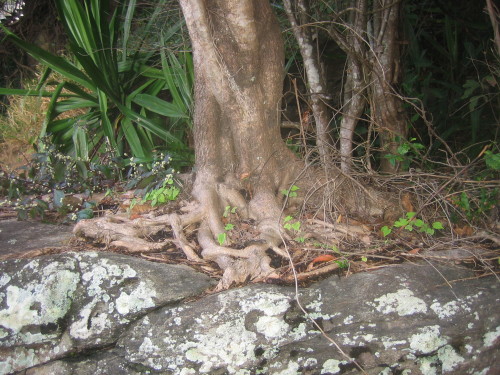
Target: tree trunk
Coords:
[[299, 18], [369, 38], [238, 58], [355, 87], [387, 107]]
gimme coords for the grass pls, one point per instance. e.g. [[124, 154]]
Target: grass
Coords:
[[19, 129]]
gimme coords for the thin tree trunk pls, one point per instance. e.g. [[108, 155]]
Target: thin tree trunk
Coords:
[[387, 111], [354, 89], [298, 16], [354, 105]]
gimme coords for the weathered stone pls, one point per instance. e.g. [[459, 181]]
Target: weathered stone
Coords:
[[54, 306], [404, 319], [395, 319], [18, 237]]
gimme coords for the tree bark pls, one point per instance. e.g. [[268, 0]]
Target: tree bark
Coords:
[[371, 44], [355, 87], [298, 15], [387, 108], [238, 58]]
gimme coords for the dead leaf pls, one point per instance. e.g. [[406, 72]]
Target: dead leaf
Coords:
[[464, 231], [406, 203], [414, 251], [323, 258], [320, 259], [244, 176]]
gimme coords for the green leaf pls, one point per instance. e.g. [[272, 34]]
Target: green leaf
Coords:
[[401, 222], [429, 231], [296, 226], [492, 160], [229, 226], [418, 223], [335, 249], [288, 218], [344, 263], [56, 63], [159, 106], [172, 193], [221, 238], [470, 86], [403, 149], [364, 259], [437, 225], [86, 213], [410, 215], [386, 230]]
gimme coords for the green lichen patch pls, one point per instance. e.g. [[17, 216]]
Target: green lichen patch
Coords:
[[403, 302]]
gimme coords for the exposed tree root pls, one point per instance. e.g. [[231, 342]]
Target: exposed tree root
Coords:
[[205, 215], [239, 265]]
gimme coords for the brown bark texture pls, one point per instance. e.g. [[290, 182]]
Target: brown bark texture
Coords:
[[241, 160], [298, 14], [388, 112], [369, 37]]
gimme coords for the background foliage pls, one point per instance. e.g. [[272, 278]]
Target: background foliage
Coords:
[[117, 99]]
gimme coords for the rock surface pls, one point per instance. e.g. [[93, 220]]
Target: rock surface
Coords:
[[57, 306], [17, 237], [92, 313]]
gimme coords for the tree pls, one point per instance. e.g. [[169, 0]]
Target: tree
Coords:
[[298, 15], [238, 57], [368, 34], [241, 161]]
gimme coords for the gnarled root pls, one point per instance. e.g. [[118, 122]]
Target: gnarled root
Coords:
[[239, 265], [122, 232], [251, 262]]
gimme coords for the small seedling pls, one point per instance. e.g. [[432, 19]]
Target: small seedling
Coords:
[[221, 238], [292, 192], [168, 192], [109, 193], [409, 222], [343, 263], [300, 239], [291, 226], [406, 152], [229, 210]]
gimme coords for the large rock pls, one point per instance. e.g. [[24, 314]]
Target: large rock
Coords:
[[55, 306], [395, 319], [405, 319], [18, 237]]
